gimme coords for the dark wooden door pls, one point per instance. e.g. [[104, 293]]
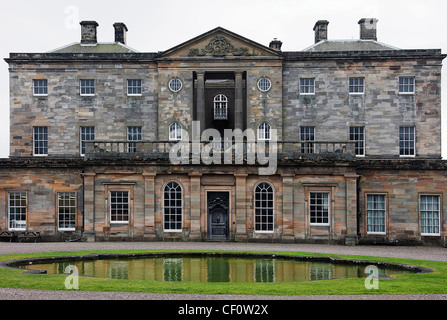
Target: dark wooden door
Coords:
[[218, 215]]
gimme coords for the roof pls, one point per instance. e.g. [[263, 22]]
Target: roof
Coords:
[[114, 47], [349, 45]]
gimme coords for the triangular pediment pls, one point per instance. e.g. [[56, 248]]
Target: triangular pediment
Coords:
[[219, 42]]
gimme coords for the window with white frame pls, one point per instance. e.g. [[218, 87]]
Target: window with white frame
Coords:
[[134, 88], [264, 131], [133, 134], [376, 213], [319, 208], [307, 86], [406, 85], [66, 207], [175, 131], [356, 85], [119, 207], [40, 87], [264, 208], [430, 211], [40, 141], [87, 87], [264, 84], [307, 134], [220, 107], [173, 207], [87, 134], [357, 135], [17, 206], [407, 142]]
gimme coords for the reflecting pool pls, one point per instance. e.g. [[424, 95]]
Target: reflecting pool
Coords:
[[212, 269]]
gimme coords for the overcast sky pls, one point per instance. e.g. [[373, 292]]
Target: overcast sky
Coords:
[[41, 26]]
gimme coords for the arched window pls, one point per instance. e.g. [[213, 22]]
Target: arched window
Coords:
[[175, 131], [173, 207], [264, 131], [220, 107], [264, 208]]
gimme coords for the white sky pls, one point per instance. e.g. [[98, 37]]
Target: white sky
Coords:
[[41, 26]]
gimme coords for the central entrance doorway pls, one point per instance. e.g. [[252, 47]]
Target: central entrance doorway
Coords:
[[218, 215]]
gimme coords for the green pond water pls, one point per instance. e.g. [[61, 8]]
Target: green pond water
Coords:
[[211, 269]]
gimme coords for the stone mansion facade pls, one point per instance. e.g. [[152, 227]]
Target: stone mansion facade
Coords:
[[350, 128]]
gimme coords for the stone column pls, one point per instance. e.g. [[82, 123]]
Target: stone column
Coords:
[[241, 206], [196, 232], [351, 208], [287, 207], [239, 102], [200, 104], [149, 205], [89, 206]]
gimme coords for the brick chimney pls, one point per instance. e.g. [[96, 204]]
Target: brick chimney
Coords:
[[120, 32], [276, 45], [368, 29], [88, 32], [321, 30]]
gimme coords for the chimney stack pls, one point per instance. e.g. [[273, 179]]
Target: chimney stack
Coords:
[[120, 32], [368, 29], [276, 45], [321, 30], [88, 32]]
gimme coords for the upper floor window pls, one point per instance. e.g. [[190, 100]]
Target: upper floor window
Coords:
[[407, 142], [220, 107], [264, 84], [307, 86], [87, 134], [175, 132], [175, 85], [40, 87], [357, 135], [134, 134], [406, 85], [40, 141], [356, 85], [134, 87], [87, 87], [307, 134], [264, 131]]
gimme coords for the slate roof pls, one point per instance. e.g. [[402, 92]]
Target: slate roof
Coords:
[[349, 45], [114, 47]]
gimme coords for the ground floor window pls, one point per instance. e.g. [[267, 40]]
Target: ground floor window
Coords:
[[17, 211], [66, 207], [376, 213], [430, 215], [119, 207], [319, 208], [173, 207], [264, 207]]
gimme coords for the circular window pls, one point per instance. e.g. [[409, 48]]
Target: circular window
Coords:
[[264, 84], [175, 85]]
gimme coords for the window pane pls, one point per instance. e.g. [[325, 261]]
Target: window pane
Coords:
[[319, 208], [17, 211], [264, 209], [430, 214], [376, 213], [119, 206], [173, 207]]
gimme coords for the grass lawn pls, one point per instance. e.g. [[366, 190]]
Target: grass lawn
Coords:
[[424, 283]]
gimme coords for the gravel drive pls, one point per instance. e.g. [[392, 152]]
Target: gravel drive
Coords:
[[422, 253]]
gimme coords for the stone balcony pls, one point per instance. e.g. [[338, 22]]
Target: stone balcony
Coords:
[[227, 152]]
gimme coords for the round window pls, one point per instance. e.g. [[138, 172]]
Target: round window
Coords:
[[175, 85], [264, 84]]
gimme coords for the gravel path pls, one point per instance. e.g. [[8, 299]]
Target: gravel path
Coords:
[[422, 253]]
